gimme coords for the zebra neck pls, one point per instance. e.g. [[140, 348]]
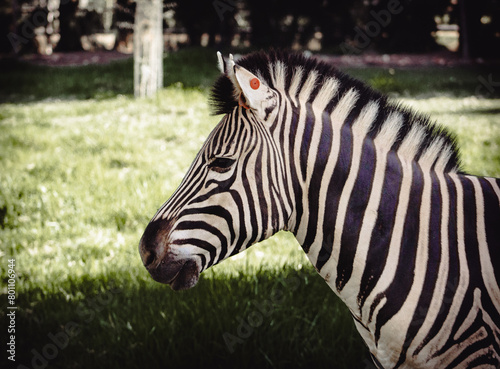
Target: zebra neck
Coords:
[[348, 188], [333, 158]]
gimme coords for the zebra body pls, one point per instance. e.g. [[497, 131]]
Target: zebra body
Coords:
[[371, 191]]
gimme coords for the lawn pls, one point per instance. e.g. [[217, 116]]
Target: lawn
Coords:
[[84, 166]]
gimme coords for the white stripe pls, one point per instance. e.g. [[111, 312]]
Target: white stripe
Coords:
[[359, 130], [447, 357], [304, 94], [252, 186], [262, 171], [406, 153], [383, 143], [431, 154], [462, 284], [495, 188], [443, 269], [286, 149], [278, 74], [308, 87], [326, 94], [293, 90], [396, 328]]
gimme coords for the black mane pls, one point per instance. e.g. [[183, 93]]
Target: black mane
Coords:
[[223, 98]]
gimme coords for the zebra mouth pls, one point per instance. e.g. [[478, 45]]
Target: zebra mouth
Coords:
[[180, 275], [163, 265], [187, 277]]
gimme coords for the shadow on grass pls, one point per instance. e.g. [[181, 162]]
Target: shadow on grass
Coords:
[[269, 320]]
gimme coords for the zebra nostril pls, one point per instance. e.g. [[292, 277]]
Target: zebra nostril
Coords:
[[150, 244], [150, 258]]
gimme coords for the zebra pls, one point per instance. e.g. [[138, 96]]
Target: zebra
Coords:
[[373, 192]]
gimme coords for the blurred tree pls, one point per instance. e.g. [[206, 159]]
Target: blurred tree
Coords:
[[336, 21], [70, 28], [479, 28], [406, 27], [263, 20], [8, 14], [210, 17], [196, 17], [22, 20], [123, 21], [284, 24], [148, 47]]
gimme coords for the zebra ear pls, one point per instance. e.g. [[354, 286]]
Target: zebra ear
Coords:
[[255, 94], [221, 63]]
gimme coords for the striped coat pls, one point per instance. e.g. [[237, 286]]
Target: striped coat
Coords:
[[371, 190]]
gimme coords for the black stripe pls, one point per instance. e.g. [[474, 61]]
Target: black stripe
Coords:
[[278, 121], [453, 268], [305, 146], [432, 269], [261, 170], [398, 290], [355, 214], [201, 244], [382, 232], [186, 191], [472, 257], [283, 170], [492, 223], [194, 225], [220, 212], [334, 190], [297, 189], [242, 231], [473, 348], [322, 157]]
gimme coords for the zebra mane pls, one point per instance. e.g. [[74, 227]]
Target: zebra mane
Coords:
[[289, 72]]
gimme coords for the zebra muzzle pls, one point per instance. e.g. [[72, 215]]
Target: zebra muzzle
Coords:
[[162, 264]]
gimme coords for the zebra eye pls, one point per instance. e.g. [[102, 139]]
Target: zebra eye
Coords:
[[221, 165]]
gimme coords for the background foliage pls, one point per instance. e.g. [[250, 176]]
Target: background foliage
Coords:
[[388, 25]]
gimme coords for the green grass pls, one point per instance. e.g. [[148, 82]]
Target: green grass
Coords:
[[83, 168]]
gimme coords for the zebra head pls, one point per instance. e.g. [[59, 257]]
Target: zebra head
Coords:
[[229, 198]]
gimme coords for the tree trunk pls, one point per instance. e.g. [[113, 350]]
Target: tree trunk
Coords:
[[464, 30], [69, 27], [148, 47]]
